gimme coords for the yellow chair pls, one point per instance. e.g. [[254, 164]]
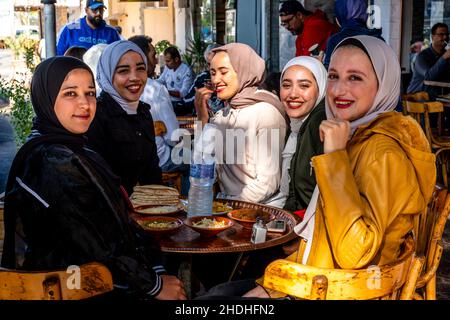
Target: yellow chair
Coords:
[[394, 281], [429, 244], [418, 96], [440, 143], [94, 279]]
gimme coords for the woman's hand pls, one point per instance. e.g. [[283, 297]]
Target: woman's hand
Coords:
[[202, 96], [172, 289], [258, 292], [334, 135]]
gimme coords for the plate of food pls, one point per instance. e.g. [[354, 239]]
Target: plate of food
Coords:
[[159, 225], [219, 208], [158, 210], [247, 217], [208, 226]]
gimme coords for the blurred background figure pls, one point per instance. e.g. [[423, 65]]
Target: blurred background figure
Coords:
[[351, 17], [76, 52], [91, 58], [7, 150]]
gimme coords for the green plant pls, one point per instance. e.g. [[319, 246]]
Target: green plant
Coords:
[[163, 45], [25, 46], [22, 113], [196, 49]]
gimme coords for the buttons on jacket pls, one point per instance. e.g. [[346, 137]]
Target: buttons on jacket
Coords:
[[138, 133]]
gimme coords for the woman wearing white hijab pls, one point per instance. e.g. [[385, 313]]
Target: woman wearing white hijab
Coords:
[[302, 89], [122, 130], [377, 172]]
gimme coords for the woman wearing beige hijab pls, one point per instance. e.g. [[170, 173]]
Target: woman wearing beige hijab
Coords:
[[377, 172], [252, 125]]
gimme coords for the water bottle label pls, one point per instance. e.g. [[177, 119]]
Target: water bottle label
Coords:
[[202, 171]]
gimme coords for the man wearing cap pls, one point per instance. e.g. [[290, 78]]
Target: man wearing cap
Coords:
[[87, 31], [311, 28]]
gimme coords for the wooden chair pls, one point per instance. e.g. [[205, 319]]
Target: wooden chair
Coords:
[[168, 178], [417, 97], [390, 282], [429, 243], [440, 143], [94, 279]]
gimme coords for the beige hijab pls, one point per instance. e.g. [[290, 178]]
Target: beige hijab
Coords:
[[387, 70], [250, 68]]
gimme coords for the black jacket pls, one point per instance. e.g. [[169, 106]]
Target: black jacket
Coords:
[[67, 215], [126, 142], [303, 179]]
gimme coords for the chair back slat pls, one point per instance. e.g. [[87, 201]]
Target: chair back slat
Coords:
[[89, 280]]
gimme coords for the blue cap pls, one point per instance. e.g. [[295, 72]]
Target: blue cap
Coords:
[[94, 4]]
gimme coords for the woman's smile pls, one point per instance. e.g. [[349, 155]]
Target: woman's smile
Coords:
[[343, 103]]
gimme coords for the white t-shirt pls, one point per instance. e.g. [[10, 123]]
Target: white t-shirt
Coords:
[[156, 95], [179, 80]]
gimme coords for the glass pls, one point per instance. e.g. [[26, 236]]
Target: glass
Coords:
[[285, 23]]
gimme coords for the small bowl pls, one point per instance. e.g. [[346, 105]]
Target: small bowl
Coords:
[[247, 217], [208, 232], [146, 224]]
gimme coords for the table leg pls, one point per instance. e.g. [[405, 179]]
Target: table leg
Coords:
[[185, 274], [238, 260]]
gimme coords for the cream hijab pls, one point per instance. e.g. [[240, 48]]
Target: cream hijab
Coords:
[[387, 70]]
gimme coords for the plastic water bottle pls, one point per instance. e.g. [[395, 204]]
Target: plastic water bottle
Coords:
[[201, 191], [200, 196]]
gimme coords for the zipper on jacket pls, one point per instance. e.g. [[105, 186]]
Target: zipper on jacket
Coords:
[[310, 168]]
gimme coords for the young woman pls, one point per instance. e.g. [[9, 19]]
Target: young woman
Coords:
[[377, 172], [122, 131], [302, 90], [251, 168], [63, 205]]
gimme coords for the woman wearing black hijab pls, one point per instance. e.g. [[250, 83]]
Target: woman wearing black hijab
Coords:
[[63, 204]]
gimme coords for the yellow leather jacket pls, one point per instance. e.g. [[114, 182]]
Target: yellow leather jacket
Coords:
[[371, 194]]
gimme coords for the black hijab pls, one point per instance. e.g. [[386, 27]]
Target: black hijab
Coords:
[[45, 86]]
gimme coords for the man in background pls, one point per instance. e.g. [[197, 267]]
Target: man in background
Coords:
[[311, 28], [87, 31], [178, 78], [432, 63]]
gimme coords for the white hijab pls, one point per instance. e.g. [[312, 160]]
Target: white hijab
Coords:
[[320, 74], [387, 70]]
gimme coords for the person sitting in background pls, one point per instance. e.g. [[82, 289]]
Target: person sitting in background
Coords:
[[122, 131], [351, 16], [432, 63], [178, 78], [310, 28], [250, 171], [204, 79], [63, 205], [76, 52], [302, 91], [91, 58], [156, 95]]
